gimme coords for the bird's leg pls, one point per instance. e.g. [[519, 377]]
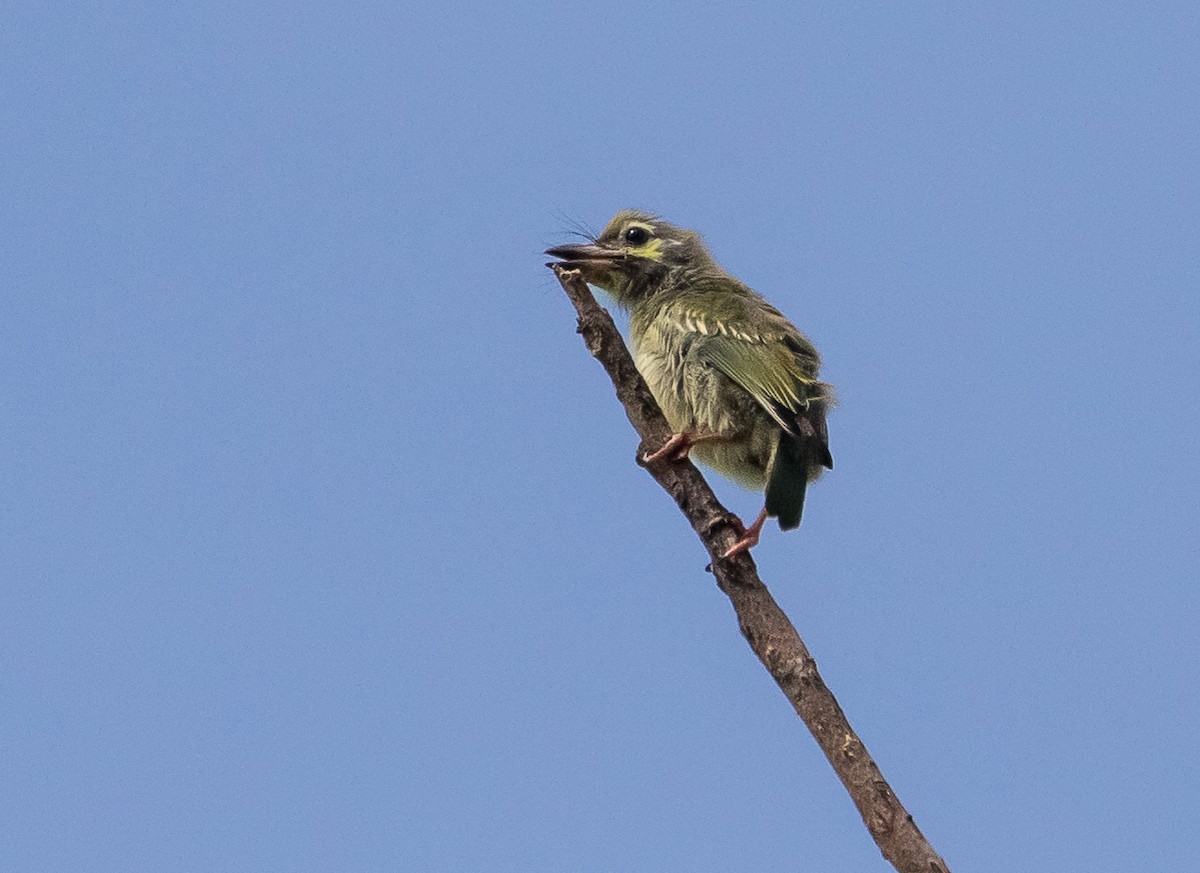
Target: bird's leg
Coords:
[[749, 536], [679, 446]]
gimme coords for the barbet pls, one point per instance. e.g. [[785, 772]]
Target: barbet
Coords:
[[735, 379]]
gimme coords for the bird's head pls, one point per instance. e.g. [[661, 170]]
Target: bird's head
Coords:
[[635, 255]]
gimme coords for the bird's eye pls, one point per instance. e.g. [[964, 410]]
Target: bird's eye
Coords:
[[636, 236]]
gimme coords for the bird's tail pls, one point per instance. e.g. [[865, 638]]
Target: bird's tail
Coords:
[[788, 483], [798, 458]]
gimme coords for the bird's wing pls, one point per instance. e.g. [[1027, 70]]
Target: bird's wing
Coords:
[[756, 347]]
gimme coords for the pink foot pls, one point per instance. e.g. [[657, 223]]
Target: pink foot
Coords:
[[676, 449], [749, 536]]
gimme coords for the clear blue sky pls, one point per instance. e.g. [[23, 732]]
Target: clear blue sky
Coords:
[[321, 544]]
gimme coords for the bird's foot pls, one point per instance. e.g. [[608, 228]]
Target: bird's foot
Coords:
[[748, 535], [674, 449], [679, 446]]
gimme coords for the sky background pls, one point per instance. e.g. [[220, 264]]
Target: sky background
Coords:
[[321, 543]]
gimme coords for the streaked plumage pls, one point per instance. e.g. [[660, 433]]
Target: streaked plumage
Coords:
[[731, 373]]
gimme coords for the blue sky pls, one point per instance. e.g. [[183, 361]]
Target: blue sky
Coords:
[[321, 544]]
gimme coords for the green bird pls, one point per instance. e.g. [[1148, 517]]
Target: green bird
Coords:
[[736, 380]]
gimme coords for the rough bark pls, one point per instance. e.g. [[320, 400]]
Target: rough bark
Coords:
[[765, 626]]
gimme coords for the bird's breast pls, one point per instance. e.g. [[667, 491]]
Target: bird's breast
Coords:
[[661, 359]]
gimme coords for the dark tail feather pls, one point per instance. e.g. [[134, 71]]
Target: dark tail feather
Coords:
[[799, 458], [788, 483], [817, 431]]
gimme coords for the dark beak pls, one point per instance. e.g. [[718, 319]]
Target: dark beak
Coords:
[[589, 252]]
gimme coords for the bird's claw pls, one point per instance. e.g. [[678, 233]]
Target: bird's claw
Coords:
[[675, 449], [745, 544], [747, 536]]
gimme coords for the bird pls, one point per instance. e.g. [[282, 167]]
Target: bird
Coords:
[[737, 382]]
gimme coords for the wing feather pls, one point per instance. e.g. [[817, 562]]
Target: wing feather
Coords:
[[756, 347]]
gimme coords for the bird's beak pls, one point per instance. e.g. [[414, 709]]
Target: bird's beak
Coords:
[[581, 254]]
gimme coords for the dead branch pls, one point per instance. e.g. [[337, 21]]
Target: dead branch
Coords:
[[764, 625]]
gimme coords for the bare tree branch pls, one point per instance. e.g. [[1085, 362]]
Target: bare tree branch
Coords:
[[764, 625]]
